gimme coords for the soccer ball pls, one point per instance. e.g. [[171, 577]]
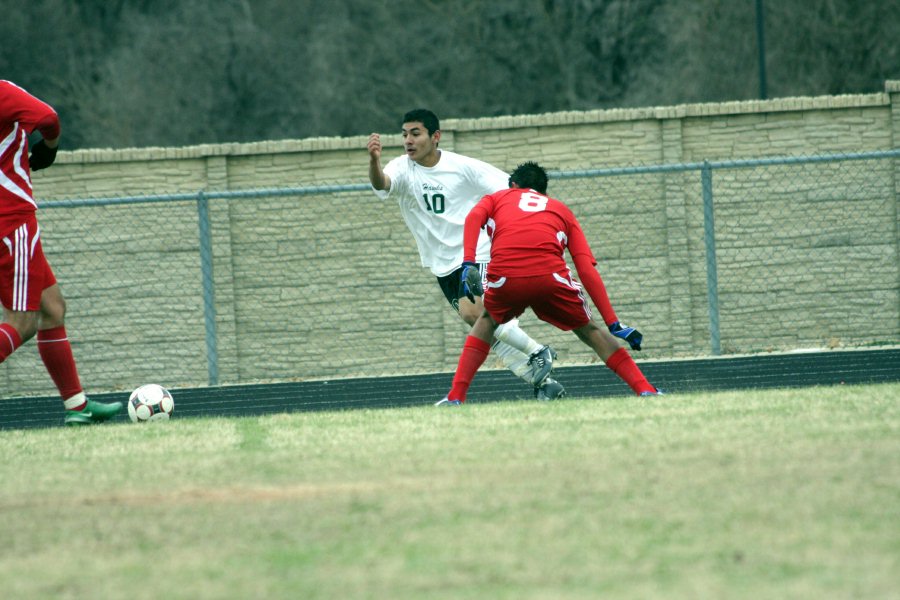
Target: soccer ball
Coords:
[[150, 402]]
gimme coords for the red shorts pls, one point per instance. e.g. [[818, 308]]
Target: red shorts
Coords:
[[555, 298], [24, 271]]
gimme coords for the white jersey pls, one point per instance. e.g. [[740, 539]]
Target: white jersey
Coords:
[[434, 202]]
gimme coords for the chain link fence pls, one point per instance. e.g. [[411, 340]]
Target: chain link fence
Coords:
[[712, 258]]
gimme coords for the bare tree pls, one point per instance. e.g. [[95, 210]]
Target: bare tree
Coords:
[[812, 48], [178, 72]]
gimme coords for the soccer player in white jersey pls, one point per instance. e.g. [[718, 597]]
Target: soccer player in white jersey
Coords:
[[436, 189], [31, 298]]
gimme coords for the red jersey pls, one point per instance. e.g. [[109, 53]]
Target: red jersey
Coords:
[[529, 233], [20, 115]]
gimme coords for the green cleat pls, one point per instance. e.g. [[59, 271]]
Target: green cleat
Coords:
[[93, 412]]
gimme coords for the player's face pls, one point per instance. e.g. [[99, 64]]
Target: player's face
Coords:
[[420, 146]]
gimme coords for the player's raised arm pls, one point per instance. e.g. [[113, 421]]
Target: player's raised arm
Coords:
[[377, 177]]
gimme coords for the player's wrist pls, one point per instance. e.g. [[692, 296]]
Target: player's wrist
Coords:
[[470, 280], [629, 334], [42, 155]]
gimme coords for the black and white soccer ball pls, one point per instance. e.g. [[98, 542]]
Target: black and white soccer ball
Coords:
[[150, 402]]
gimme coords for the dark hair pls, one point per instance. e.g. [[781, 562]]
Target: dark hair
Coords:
[[530, 175], [423, 116]]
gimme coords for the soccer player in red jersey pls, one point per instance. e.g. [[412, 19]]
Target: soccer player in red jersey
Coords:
[[529, 233], [31, 298]]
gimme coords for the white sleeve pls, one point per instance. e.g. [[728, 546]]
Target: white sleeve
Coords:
[[488, 177], [396, 170]]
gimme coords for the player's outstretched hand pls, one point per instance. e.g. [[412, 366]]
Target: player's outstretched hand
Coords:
[[471, 281], [629, 334], [42, 156]]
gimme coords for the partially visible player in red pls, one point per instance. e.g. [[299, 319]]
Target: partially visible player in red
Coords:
[[31, 298], [529, 233]]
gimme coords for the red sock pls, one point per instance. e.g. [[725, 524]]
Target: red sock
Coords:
[[9, 340], [475, 352], [624, 366], [56, 352]]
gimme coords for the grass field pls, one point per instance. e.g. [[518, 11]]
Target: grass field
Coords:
[[764, 494]]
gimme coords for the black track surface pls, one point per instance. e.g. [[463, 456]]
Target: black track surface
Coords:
[[711, 374]]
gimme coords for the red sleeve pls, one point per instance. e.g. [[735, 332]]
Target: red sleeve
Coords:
[[576, 242], [588, 275], [475, 220], [17, 105]]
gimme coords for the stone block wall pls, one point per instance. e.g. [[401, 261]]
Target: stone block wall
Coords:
[[329, 285]]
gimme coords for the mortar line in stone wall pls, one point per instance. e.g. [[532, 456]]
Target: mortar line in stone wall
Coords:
[[573, 174]]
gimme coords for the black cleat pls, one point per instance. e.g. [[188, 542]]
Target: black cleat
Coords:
[[541, 365], [551, 389]]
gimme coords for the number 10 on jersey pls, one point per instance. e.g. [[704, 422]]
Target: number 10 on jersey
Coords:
[[435, 204]]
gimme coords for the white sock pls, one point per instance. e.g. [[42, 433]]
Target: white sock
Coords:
[[510, 333], [513, 359], [75, 401], [514, 347]]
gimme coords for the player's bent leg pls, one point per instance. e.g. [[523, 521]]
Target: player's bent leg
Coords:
[[533, 369], [525, 357], [598, 338], [53, 308], [475, 352], [513, 359], [616, 358], [522, 355], [56, 354]]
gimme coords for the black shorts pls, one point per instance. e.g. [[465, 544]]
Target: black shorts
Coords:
[[451, 285]]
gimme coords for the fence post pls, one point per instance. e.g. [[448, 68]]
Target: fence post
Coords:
[[209, 292], [712, 276]]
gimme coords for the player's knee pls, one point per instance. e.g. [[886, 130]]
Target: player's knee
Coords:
[[25, 324], [53, 308], [53, 312], [468, 311]]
